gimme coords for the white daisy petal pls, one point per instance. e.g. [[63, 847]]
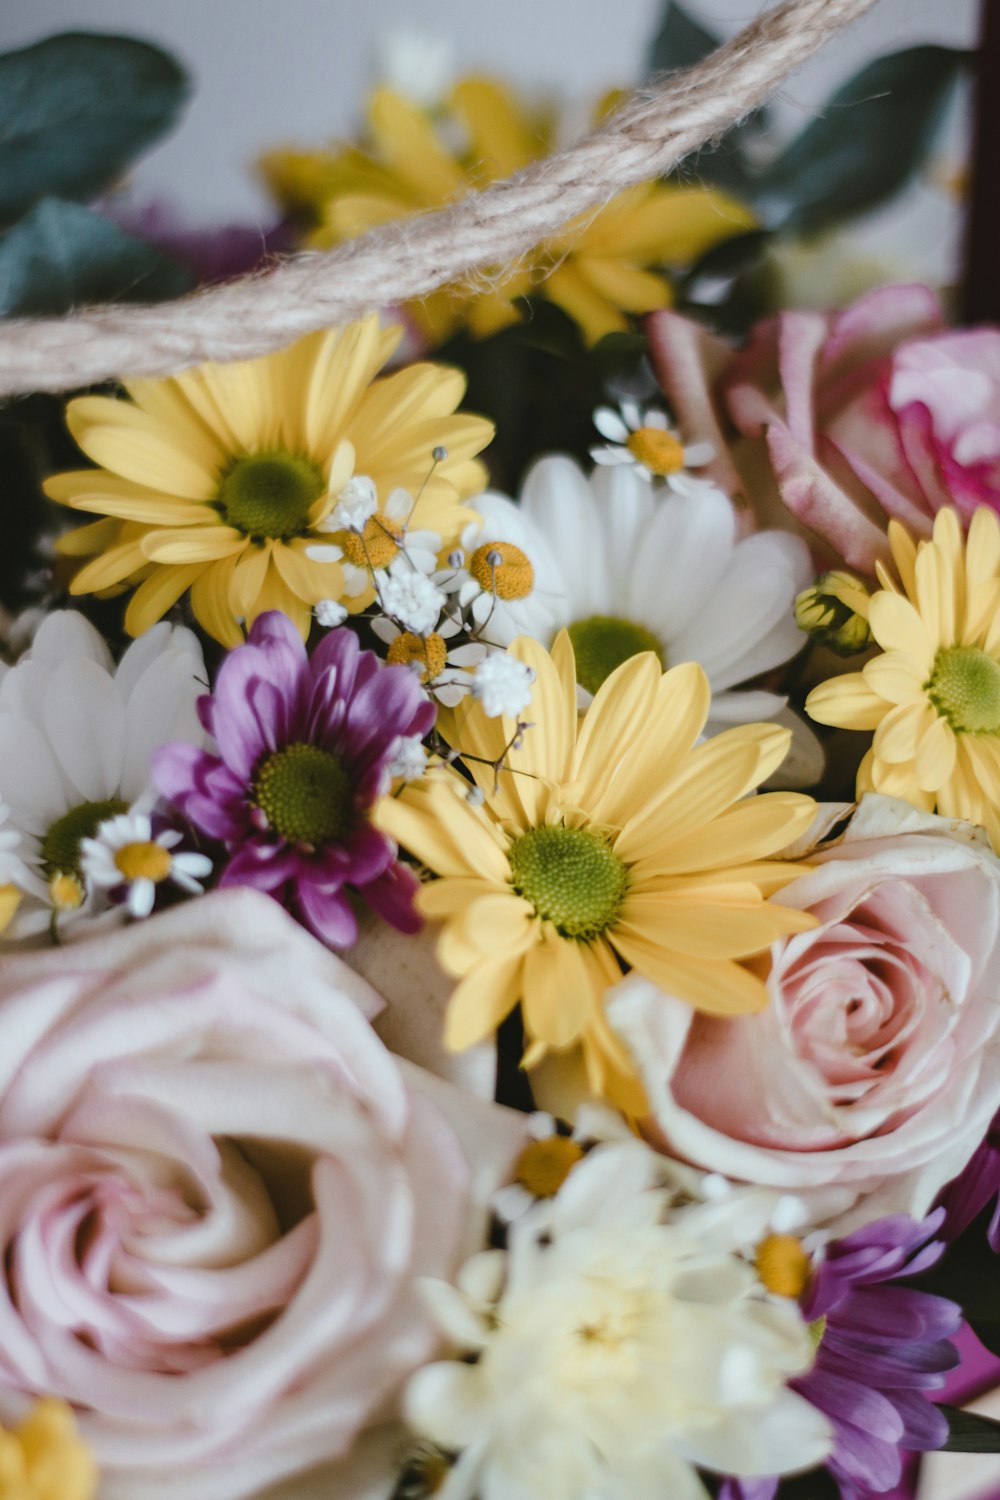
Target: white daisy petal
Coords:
[[610, 425]]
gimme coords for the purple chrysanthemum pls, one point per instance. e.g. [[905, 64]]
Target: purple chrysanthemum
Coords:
[[978, 1185], [883, 1349], [304, 746]]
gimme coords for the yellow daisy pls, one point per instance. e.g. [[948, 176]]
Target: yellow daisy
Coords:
[[598, 269], [45, 1458], [217, 480], [933, 695], [609, 843]]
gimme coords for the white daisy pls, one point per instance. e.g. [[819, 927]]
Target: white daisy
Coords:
[[124, 853], [446, 674], [552, 1152], [504, 574], [76, 737], [643, 438], [618, 1346], [645, 571]]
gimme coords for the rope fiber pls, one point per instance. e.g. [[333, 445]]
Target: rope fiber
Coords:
[[655, 130]]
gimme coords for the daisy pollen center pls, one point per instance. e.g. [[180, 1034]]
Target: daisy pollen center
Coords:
[[964, 687], [572, 877], [602, 642], [305, 793], [428, 652], [61, 845], [502, 569], [270, 495], [144, 861], [660, 451]]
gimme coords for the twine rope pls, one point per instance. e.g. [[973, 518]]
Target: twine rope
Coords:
[[646, 138]]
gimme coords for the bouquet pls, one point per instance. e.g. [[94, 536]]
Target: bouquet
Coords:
[[500, 826]]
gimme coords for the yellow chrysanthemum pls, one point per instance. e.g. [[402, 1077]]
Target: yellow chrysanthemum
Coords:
[[598, 269], [933, 695], [215, 480], [611, 842], [45, 1458]]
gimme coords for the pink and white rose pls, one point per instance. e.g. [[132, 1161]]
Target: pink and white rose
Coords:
[[876, 1067], [854, 416], [217, 1191]]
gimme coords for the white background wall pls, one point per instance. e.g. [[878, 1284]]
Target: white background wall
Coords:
[[268, 71]]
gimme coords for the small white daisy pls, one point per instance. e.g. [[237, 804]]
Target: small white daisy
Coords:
[[124, 853], [643, 438], [503, 685], [365, 553], [503, 574], [552, 1152], [445, 674]]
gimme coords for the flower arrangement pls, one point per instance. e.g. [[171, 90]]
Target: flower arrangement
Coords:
[[500, 839]]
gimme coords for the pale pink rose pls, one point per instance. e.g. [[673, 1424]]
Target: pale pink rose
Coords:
[[217, 1191], [876, 1067], [859, 415]]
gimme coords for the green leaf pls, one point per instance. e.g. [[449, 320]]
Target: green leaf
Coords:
[[872, 137], [970, 1433], [75, 109], [680, 41], [61, 255]]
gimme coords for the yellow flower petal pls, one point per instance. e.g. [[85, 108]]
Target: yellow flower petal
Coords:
[[210, 593], [557, 989], [935, 757], [434, 822], [480, 1002], [731, 929], [897, 626], [160, 592], [718, 987], [847, 702], [895, 677], [192, 544]]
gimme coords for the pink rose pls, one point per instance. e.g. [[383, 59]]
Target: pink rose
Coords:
[[217, 1190], [860, 415], [877, 1065]]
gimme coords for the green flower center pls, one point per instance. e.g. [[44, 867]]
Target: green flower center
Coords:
[[573, 878], [305, 793], [61, 845], [603, 642], [964, 687], [270, 494]]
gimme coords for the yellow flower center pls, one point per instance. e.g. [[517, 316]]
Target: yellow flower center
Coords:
[[660, 451], [572, 877], [602, 642], [270, 495], [502, 569], [429, 652], [543, 1166], [964, 687], [143, 861], [61, 845], [375, 547], [783, 1265], [66, 892], [305, 793]]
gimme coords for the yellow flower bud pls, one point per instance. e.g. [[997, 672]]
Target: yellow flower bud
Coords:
[[834, 613]]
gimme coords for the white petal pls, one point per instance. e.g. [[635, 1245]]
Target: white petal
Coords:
[[610, 425], [85, 726]]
